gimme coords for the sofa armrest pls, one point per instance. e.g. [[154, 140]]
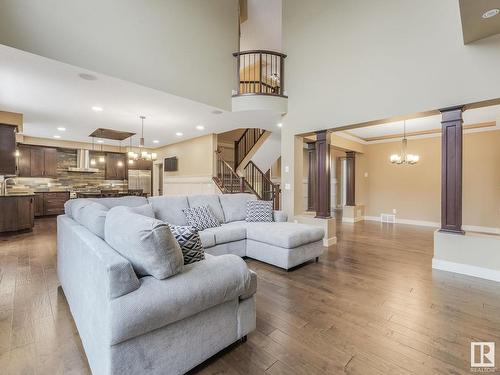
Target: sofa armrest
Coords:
[[280, 216], [252, 287], [158, 303], [85, 261]]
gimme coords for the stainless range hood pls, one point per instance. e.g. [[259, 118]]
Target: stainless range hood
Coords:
[[83, 162]]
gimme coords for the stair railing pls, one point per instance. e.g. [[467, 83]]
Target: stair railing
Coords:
[[260, 72], [226, 178], [262, 185], [245, 143]]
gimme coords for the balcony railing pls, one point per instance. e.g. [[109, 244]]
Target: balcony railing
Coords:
[[260, 73]]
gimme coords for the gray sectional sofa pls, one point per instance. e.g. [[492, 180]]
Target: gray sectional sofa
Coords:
[[138, 325]]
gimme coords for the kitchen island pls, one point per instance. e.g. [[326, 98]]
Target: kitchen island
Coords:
[[17, 212]]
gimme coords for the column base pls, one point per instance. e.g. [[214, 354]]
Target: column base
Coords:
[[353, 214]]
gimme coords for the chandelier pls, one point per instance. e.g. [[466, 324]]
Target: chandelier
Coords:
[[404, 157], [143, 154]]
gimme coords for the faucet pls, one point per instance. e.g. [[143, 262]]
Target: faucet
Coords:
[[4, 186]]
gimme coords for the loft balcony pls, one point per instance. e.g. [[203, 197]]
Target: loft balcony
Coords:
[[260, 81]]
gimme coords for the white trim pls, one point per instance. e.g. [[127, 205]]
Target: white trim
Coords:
[[329, 241], [474, 228], [352, 219], [466, 269], [467, 228], [422, 223]]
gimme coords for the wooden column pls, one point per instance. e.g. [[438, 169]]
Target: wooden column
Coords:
[[323, 174], [311, 177], [451, 170], [350, 178]]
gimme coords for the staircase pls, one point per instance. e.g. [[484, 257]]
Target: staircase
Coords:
[[253, 181], [244, 145]]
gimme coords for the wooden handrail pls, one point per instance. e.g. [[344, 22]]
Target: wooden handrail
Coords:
[[226, 178], [260, 72], [263, 51], [245, 143], [262, 185]]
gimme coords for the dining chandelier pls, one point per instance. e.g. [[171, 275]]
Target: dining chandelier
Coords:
[[404, 157], [143, 154]]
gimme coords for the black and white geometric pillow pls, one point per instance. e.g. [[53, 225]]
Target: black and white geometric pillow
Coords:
[[201, 217], [189, 241], [259, 211]]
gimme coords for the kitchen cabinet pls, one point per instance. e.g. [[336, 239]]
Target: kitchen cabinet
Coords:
[[116, 166], [36, 161], [7, 149], [143, 165], [17, 213], [50, 203]]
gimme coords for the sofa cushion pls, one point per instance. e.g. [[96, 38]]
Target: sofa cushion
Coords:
[[235, 205], [147, 243], [286, 235], [169, 209], [128, 201], [259, 211], [201, 217], [207, 238], [144, 210], [228, 233], [198, 287], [211, 201], [189, 240], [90, 214]]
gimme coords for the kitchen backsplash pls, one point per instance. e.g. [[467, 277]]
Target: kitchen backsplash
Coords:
[[68, 181]]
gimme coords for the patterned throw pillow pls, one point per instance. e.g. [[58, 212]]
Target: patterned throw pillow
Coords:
[[201, 217], [189, 241], [259, 211]]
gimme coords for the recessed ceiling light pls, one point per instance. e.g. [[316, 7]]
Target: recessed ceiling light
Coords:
[[200, 127], [61, 129], [87, 77], [156, 141], [279, 125], [57, 136], [97, 108], [491, 13], [217, 112], [179, 134], [100, 141]]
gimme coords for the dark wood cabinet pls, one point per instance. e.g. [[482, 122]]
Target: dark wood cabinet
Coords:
[[38, 204], [36, 161], [24, 161], [7, 149], [17, 213], [50, 203], [50, 162], [143, 165], [116, 166]]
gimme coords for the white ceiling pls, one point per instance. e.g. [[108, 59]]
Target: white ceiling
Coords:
[[50, 94], [471, 116]]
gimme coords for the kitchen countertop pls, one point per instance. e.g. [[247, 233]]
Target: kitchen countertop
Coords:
[[17, 195]]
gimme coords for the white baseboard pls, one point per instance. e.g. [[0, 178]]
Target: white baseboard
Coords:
[[329, 241], [466, 269], [475, 228], [467, 228]]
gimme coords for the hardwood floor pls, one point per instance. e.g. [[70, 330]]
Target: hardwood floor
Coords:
[[372, 305]]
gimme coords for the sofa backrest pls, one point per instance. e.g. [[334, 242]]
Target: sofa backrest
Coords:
[[169, 208], [211, 201], [235, 206], [226, 207]]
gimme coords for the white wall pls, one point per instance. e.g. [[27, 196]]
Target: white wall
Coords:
[[355, 61], [180, 47], [262, 29]]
